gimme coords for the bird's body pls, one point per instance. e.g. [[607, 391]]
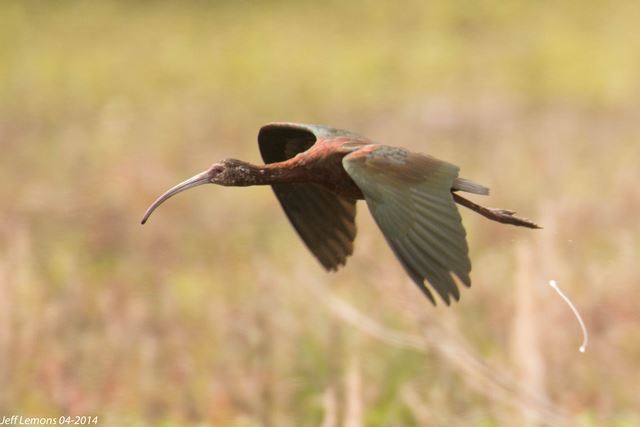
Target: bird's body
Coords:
[[322, 165], [318, 173]]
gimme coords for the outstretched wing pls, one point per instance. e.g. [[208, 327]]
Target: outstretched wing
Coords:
[[324, 220], [409, 196]]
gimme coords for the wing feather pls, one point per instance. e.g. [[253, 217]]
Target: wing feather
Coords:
[[324, 220], [409, 196]]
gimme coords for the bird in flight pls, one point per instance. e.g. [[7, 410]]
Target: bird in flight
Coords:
[[318, 173]]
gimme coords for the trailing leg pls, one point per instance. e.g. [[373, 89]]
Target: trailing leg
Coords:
[[500, 215]]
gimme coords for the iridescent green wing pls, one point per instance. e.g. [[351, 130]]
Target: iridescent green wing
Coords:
[[324, 221], [409, 196]]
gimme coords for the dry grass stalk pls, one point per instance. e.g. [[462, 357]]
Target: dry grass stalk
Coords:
[[525, 347], [353, 416], [330, 406]]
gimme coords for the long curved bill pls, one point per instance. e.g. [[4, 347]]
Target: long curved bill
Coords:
[[201, 178]]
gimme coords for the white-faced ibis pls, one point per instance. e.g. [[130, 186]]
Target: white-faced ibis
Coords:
[[318, 173]]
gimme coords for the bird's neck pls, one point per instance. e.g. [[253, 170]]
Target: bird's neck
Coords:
[[247, 174]]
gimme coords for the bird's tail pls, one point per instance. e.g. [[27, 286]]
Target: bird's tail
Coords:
[[462, 184]]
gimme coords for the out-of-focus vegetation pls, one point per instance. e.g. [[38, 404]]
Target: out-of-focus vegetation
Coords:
[[214, 313]]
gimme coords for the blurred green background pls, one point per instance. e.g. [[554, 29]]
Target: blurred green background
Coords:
[[214, 313]]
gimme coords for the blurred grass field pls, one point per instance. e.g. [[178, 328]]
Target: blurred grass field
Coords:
[[214, 313]]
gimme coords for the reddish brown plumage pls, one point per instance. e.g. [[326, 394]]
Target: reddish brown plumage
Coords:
[[323, 165]]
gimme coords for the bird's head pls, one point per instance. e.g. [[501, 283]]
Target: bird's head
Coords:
[[226, 172]]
